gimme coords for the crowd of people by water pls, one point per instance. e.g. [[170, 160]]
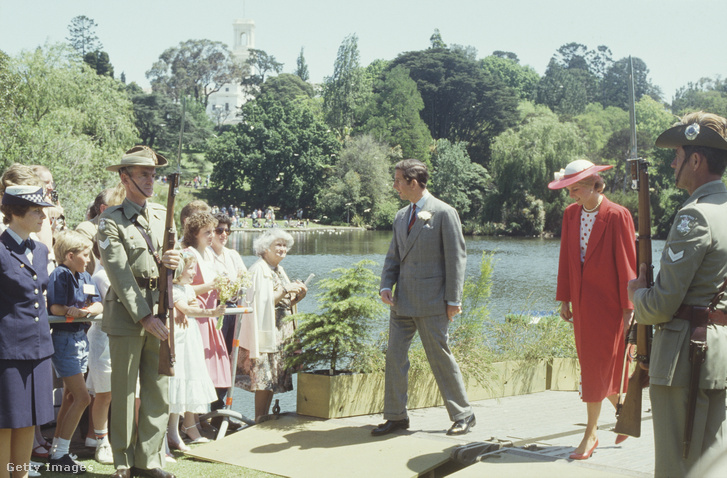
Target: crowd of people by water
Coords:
[[112, 265], [51, 270]]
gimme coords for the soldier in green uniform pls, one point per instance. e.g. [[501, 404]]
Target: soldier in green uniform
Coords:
[[134, 332], [693, 267]]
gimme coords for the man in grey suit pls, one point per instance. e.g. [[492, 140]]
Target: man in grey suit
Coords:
[[426, 261]]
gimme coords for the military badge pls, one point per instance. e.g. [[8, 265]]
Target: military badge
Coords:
[[686, 224], [104, 244], [102, 224]]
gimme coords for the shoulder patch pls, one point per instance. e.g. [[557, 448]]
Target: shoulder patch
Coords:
[[102, 224], [686, 223]]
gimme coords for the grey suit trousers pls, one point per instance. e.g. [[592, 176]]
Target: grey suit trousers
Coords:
[[433, 331]]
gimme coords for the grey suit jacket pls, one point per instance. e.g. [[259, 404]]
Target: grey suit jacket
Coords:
[[428, 264]]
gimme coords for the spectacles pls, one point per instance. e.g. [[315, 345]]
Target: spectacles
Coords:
[[221, 230]]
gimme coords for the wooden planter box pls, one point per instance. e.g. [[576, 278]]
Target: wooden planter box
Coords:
[[564, 374], [348, 395]]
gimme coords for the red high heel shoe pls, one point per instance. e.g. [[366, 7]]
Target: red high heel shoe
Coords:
[[584, 456], [620, 438]]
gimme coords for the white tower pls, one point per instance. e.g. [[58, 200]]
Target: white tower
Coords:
[[223, 106], [244, 31]]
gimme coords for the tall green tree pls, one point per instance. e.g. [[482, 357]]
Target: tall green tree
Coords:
[[258, 65], [616, 84], [524, 159], [345, 92], [82, 35], [195, 68], [457, 180], [301, 67], [522, 79], [461, 101], [705, 94], [393, 115], [360, 184], [287, 87], [99, 61], [66, 117], [279, 155]]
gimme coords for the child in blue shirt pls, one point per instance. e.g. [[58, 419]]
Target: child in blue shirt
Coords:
[[71, 293]]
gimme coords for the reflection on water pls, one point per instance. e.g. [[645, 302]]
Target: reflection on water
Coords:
[[524, 275]]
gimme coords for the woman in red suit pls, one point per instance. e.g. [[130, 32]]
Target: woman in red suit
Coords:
[[597, 259]]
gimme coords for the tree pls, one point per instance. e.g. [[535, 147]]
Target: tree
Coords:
[[597, 125], [287, 87], [616, 84], [524, 159], [82, 35], [345, 92], [66, 117], [260, 64], [522, 79], [360, 183], [279, 155], [436, 40], [99, 62], [458, 181], [572, 79], [461, 101], [706, 94], [338, 338], [301, 69], [195, 68], [393, 115]]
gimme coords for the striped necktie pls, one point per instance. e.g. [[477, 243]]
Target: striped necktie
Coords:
[[412, 216]]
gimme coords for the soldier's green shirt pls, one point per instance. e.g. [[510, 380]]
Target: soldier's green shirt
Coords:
[[125, 256], [693, 266]]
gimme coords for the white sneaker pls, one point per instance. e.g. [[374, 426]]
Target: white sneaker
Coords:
[[104, 455], [91, 442]]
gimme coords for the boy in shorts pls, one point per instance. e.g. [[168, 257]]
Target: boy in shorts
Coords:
[[71, 293]]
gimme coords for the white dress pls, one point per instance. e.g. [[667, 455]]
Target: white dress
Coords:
[[191, 388]]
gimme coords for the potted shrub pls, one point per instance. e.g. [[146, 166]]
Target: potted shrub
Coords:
[[335, 344]]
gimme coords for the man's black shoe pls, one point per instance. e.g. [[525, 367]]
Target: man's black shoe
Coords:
[[152, 473], [389, 426], [66, 464], [460, 427]]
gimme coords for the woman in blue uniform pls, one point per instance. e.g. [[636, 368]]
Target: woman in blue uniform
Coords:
[[26, 387]]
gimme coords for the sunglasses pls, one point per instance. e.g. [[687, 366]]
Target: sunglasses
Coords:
[[221, 230]]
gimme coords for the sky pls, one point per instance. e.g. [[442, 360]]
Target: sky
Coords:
[[680, 40]]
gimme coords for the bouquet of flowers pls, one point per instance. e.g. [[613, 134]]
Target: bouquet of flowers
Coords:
[[228, 290]]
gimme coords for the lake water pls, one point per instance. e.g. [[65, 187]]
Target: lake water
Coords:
[[523, 278]]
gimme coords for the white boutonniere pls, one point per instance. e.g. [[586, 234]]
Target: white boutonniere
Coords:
[[424, 215]]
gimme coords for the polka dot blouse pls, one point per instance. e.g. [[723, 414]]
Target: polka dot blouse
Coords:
[[587, 220]]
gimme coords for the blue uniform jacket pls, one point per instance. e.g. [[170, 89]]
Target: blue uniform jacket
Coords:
[[24, 328]]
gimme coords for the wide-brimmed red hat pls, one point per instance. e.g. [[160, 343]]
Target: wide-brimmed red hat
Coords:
[[574, 172]]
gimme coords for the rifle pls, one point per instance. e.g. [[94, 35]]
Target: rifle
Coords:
[[628, 413], [165, 310]]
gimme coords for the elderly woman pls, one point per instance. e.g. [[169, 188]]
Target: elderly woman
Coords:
[[227, 262], [275, 296], [597, 259], [26, 384]]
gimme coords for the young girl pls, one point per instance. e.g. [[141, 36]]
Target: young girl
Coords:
[[190, 389], [71, 293]]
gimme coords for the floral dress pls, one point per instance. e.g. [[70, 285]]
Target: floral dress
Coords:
[[268, 370]]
